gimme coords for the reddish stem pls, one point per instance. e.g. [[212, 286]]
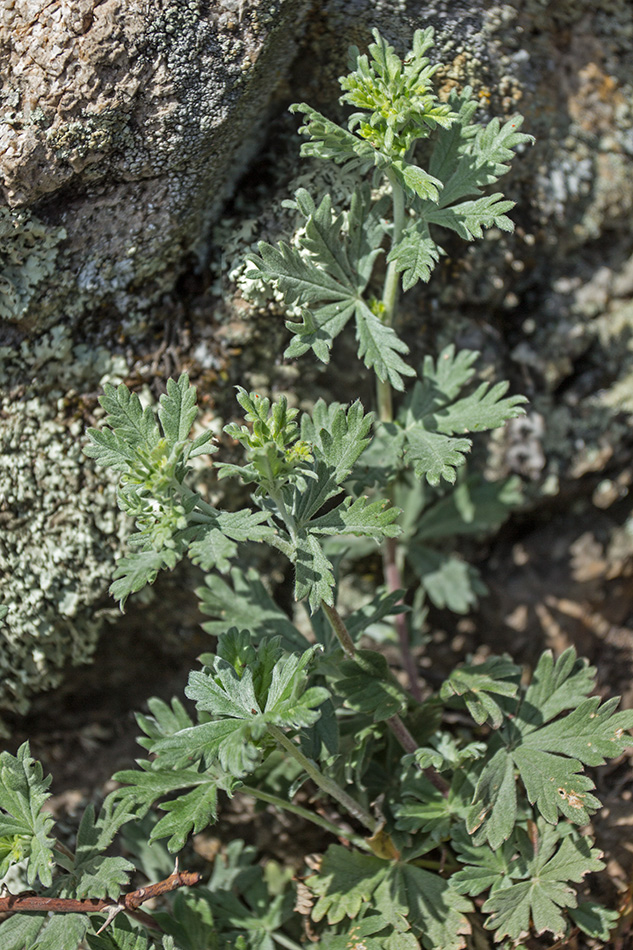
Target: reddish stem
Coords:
[[393, 581]]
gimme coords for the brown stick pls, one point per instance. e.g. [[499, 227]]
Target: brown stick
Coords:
[[130, 903]]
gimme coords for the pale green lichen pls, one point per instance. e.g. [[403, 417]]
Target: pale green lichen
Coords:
[[96, 132], [28, 251], [60, 529]]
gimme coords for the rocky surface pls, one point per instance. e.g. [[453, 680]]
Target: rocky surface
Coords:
[[127, 125]]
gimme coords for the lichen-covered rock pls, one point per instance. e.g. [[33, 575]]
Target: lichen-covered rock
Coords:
[[59, 524], [127, 124], [28, 251]]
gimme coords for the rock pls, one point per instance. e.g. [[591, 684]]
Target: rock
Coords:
[[126, 126]]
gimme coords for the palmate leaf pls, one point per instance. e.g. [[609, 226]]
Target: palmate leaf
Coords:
[[367, 685], [469, 218], [210, 542], [216, 542], [468, 157], [132, 434], [245, 602], [93, 874], [478, 684], [151, 450], [129, 427], [542, 890], [409, 898], [449, 582], [272, 690], [327, 276], [23, 792], [379, 347], [151, 782], [359, 517], [594, 919], [337, 435], [314, 574], [482, 868], [189, 812], [138, 569], [556, 685], [177, 410], [548, 753], [432, 414], [329, 141]]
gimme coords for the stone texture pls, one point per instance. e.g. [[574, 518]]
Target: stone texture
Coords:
[[127, 125]]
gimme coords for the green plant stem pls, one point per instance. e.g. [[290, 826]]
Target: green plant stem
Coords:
[[328, 785], [384, 399], [306, 814], [339, 628], [284, 941], [62, 849], [390, 294], [395, 723]]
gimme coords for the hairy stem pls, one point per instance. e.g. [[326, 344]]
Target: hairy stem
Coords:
[[328, 785], [390, 296], [338, 626], [63, 850], [393, 580], [395, 723], [306, 814]]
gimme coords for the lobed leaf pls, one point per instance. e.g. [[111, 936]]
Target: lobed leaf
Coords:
[[409, 898], [326, 275], [136, 570], [23, 793], [544, 891], [366, 685], [478, 684], [548, 753], [245, 602], [415, 254], [432, 414]]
